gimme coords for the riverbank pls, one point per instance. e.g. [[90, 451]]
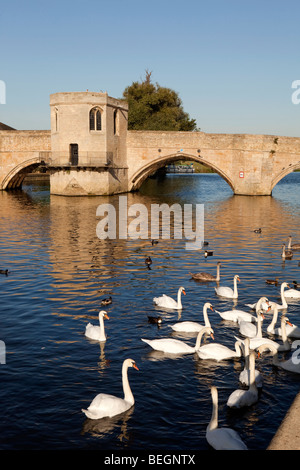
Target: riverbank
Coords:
[[287, 436]]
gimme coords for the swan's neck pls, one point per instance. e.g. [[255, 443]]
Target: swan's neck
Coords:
[[205, 315], [274, 320], [179, 304], [252, 386], [283, 334], [213, 424], [199, 338], [128, 396], [259, 329], [283, 300], [218, 273], [235, 291], [290, 243], [102, 332], [238, 349]]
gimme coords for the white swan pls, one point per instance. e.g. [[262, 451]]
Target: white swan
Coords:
[[219, 352], [294, 246], [244, 376], [97, 332], [292, 294], [265, 306], [175, 346], [109, 405], [292, 331], [224, 291], [207, 276], [240, 398], [192, 326], [258, 340], [252, 330], [239, 315], [292, 364], [167, 302], [221, 438]]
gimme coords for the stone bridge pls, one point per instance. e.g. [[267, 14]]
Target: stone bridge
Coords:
[[89, 151]]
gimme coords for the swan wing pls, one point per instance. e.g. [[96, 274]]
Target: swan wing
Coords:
[[224, 291], [187, 326], [165, 301], [215, 351], [292, 294], [169, 345], [106, 405], [225, 439], [248, 329], [94, 332]]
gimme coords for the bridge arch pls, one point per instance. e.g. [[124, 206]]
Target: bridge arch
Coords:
[[16, 175], [142, 174], [284, 172]]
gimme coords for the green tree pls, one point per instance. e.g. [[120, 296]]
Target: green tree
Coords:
[[152, 107]]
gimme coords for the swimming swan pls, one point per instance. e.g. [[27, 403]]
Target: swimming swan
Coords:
[[97, 332], [286, 254], [239, 315], [283, 306], [221, 438], [292, 331], [259, 340], [167, 302], [252, 330], [175, 346], [240, 398], [207, 276], [192, 326], [224, 291], [109, 405], [292, 364], [244, 376], [219, 352]]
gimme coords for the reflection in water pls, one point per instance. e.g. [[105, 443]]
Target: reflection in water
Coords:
[[60, 272]]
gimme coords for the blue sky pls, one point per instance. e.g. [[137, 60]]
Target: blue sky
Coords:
[[231, 62]]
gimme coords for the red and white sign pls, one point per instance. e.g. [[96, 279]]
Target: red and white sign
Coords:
[[241, 174]]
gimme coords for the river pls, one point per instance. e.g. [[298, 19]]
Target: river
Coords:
[[59, 271]]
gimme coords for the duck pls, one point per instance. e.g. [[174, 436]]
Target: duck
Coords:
[[291, 330], [272, 281], [157, 320], [240, 315], [154, 242], [175, 346], [223, 291], [208, 253], [286, 254], [257, 230], [167, 302], [240, 397], [106, 301], [296, 284], [207, 276], [244, 377], [4, 271], [97, 332], [104, 405], [192, 326], [219, 352], [148, 261], [291, 365], [294, 246], [265, 306], [221, 438]]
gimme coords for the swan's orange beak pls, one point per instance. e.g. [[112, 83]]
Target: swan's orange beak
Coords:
[[212, 336], [289, 323], [106, 316], [184, 292], [135, 366], [211, 307]]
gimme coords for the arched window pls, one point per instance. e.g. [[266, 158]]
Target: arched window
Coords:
[[95, 119]]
